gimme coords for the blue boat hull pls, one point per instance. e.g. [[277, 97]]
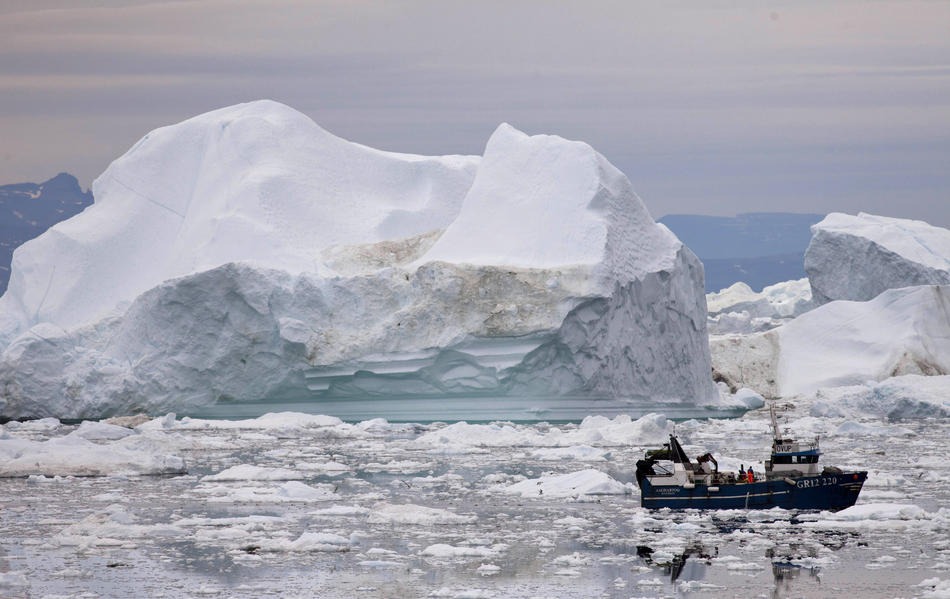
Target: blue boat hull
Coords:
[[820, 492]]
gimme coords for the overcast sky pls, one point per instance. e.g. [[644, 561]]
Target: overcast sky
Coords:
[[708, 107]]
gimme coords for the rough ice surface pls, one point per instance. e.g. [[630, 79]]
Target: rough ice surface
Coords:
[[75, 455], [574, 484], [901, 331], [858, 257], [468, 519], [905, 397], [781, 300], [246, 254], [739, 309]]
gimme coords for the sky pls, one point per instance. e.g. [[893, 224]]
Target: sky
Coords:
[[711, 107]]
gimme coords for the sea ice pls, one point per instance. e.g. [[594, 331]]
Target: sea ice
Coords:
[[369, 532], [907, 397], [73, 455], [415, 514], [251, 472], [574, 484]]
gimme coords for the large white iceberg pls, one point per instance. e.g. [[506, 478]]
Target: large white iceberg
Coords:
[[247, 254], [858, 257], [901, 331]]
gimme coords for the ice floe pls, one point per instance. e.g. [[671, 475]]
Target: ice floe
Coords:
[[574, 484], [416, 515], [73, 455]]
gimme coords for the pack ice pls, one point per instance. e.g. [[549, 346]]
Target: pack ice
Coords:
[[247, 254], [859, 257]]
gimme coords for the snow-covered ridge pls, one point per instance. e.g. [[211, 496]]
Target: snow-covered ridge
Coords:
[[582, 209], [858, 257], [247, 253], [256, 182]]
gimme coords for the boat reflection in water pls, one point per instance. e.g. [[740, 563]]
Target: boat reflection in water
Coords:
[[681, 564]]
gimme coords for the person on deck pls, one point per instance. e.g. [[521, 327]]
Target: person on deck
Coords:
[[750, 476]]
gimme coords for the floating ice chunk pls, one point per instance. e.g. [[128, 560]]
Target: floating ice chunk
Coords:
[[463, 434], [584, 482], [416, 514], [877, 516], [572, 521], [623, 430], [879, 511], [749, 398], [744, 566], [273, 420], [575, 559], [907, 397], [441, 550], [400, 466], [73, 455], [297, 491], [935, 588], [309, 542], [290, 492], [593, 430], [329, 468], [251, 472], [41, 425], [113, 526], [100, 431], [250, 523], [341, 511]]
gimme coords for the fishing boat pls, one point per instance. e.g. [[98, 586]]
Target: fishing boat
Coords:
[[792, 479]]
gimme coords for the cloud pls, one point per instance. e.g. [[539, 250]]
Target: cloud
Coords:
[[706, 106]]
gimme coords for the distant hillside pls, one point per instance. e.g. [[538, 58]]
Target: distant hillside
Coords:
[[28, 209], [758, 248]]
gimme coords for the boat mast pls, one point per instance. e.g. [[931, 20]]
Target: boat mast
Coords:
[[775, 434]]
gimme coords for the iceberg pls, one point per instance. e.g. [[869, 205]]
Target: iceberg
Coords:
[[858, 257], [739, 309], [248, 255], [900, 332]]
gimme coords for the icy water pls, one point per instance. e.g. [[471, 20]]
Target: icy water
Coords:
[[480, 408], [404, 510]]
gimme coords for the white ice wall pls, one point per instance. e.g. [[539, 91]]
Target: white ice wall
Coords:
[[247, 254]]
